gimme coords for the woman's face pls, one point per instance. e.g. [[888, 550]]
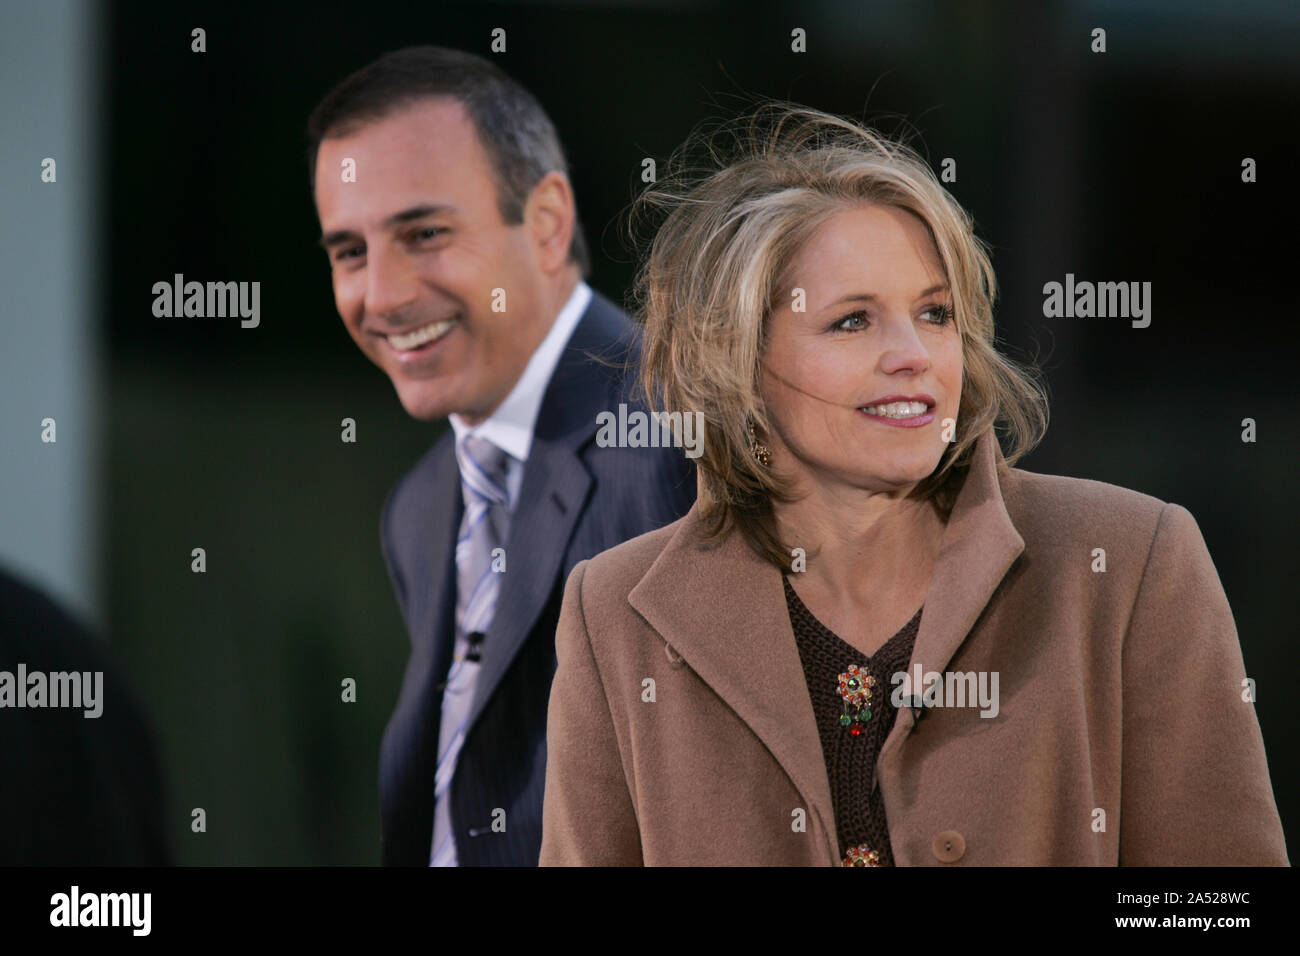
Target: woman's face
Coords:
[[876, 328]]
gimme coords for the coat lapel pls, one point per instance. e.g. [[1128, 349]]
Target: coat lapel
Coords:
[[978, 547], [722, 609]]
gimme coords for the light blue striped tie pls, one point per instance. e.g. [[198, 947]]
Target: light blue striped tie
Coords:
[[483, 528]]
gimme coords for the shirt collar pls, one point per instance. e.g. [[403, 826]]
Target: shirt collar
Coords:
[[510, 427]]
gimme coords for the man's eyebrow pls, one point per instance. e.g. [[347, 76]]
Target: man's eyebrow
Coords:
[[868, 297], [340, 236]]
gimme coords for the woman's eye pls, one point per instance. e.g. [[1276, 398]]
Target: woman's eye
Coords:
[[428, 232], [852, 321], [344, 254], [944, 313]]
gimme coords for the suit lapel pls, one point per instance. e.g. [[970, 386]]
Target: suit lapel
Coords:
[[722, 608], [442, 524], [553, 495], [554, 491]]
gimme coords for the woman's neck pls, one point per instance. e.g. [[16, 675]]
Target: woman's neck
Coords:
[[857, 542]]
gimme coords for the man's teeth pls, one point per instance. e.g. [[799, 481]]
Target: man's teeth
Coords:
[[898, 409], [413, 340]]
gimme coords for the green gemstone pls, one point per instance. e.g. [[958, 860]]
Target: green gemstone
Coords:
[[866, 715], [845, 720]]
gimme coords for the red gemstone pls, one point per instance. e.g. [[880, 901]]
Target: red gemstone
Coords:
[[855, 730]]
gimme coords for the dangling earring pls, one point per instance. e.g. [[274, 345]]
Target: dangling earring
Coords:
[[758, 449]]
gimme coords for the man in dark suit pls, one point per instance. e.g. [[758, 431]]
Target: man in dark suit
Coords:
[[458, 267]]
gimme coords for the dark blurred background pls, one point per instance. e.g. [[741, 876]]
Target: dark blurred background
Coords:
[[1122, 166]]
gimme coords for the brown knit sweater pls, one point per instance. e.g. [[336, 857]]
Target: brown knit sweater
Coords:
[[850, 760]]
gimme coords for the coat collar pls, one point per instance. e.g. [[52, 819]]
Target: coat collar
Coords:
[[752, 662]]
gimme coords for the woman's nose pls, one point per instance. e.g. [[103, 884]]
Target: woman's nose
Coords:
[[902, 346]]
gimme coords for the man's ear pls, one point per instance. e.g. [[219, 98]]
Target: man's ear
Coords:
[[549, 217]]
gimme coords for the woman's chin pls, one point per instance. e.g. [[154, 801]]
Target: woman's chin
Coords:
[[898, 473]]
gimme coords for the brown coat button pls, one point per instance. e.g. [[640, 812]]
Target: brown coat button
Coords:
[[948, 846]]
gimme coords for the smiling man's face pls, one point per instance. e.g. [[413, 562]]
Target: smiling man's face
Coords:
[[418, 251]]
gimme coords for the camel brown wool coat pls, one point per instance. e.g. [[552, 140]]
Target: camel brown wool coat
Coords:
[[1121, 737]]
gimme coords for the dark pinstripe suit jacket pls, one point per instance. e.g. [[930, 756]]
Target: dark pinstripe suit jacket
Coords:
[[577, 499]]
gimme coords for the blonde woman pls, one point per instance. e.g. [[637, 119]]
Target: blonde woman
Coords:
[[873, 640]]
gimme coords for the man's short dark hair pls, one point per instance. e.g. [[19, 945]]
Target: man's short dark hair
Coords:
[[517, 135]]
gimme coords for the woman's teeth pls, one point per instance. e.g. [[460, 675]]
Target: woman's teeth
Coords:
[[422, 336], [898, 409]]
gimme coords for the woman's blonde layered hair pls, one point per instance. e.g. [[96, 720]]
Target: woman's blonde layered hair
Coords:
[[725, 221]]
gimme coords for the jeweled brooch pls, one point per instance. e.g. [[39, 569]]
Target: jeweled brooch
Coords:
[[861, 855], [855, 689]]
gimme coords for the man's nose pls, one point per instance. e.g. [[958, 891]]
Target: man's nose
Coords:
[[392, 283]]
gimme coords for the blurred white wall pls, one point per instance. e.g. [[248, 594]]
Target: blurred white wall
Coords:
[[50, 521]]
